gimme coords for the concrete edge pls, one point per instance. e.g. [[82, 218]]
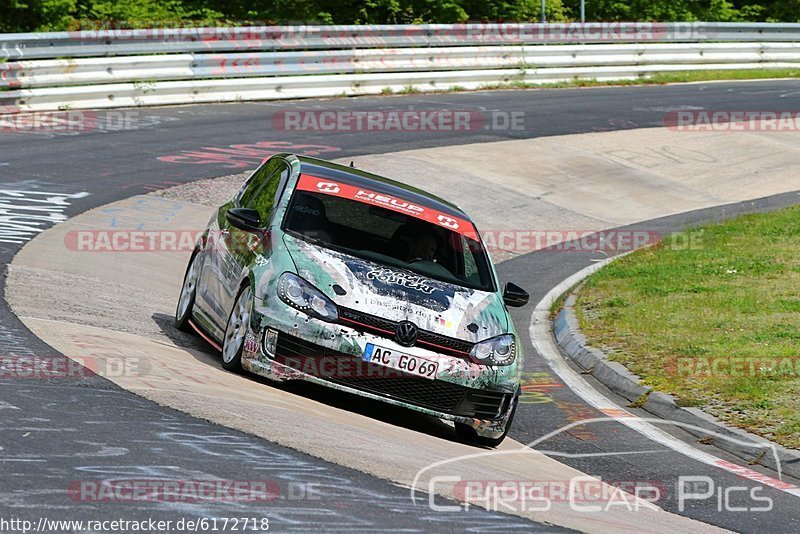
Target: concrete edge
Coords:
[[754, 449]]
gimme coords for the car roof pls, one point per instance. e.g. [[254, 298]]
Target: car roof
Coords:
[[333, 171]]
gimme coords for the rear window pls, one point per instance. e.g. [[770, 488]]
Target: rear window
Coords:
[[389, 237]]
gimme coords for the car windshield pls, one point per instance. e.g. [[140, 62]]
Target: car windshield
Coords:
[[389, 237]]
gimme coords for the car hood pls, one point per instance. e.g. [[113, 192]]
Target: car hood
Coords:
[[396, 294]]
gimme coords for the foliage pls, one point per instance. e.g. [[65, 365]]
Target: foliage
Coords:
[[52, 15]]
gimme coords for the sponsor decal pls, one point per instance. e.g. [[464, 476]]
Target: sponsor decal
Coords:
[[327, 187], [250, 343], [407, 280], [359, 194], [439, 299], [441, 321]]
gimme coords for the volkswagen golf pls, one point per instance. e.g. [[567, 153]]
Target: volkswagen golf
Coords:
[[321, 272]]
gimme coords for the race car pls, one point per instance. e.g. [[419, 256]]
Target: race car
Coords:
[[321, 272]]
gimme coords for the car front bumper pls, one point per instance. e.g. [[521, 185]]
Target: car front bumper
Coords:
[[330, 354]]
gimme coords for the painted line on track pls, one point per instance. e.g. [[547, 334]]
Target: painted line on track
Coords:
[[544, 343]]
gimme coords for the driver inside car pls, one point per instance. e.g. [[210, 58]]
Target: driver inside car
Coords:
[[423, 247]]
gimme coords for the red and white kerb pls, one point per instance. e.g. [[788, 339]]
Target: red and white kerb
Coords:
[[351, 192]]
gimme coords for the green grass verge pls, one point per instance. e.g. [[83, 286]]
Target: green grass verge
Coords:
[[712, 316], [660, 79], [655, 79]]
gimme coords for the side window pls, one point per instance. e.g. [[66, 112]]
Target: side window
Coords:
[[261, 190]]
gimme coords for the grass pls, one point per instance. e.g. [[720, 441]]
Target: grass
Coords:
[[409, 90], [557, 305], [731, 74], [716, 323], [656, 79]]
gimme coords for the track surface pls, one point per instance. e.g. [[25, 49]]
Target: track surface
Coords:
[[97, 429]]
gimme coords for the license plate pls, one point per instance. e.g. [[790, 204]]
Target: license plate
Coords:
[[413, 365]]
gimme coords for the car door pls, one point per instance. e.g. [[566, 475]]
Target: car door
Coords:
[[237, 249], [210, 297]]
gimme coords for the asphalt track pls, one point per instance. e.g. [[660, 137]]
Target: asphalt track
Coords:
[[93, 427]]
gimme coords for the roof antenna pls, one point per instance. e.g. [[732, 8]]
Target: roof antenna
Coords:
[[352, 165]]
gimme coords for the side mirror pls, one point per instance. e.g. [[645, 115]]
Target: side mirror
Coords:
[[515, 296], [244, 219]]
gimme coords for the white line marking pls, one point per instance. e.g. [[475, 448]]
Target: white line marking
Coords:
[[544, 343]]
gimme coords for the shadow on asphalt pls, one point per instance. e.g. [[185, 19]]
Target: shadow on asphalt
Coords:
[[206, 354]]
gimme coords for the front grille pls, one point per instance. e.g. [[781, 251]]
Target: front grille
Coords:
[[432, 394], [435, 395], [365, 320], [386, 328], [293, 347], [457, 345]]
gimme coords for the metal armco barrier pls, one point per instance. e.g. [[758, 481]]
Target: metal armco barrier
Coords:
[[123, 68]]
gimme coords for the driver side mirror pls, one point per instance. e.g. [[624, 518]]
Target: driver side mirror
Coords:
[[245, 219], [515, 296]]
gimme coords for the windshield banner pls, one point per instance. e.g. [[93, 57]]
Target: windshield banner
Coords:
[[344, 190]]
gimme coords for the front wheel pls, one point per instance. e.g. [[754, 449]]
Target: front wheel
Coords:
[[468, 434], [236, 330], [183, 313]]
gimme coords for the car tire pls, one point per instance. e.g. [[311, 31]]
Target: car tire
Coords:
[[236, 330], [183, 312], [468, 434]]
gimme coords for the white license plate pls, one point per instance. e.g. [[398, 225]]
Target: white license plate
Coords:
[[413, 365]]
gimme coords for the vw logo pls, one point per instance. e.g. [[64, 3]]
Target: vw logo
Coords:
[[406, 333]]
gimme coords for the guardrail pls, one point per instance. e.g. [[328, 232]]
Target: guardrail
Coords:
[[124, 68]]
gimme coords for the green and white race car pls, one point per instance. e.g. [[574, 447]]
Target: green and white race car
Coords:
[[321, 272]]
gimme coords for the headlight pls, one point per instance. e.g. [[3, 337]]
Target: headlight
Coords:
[[500, 350], [299, 294]]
